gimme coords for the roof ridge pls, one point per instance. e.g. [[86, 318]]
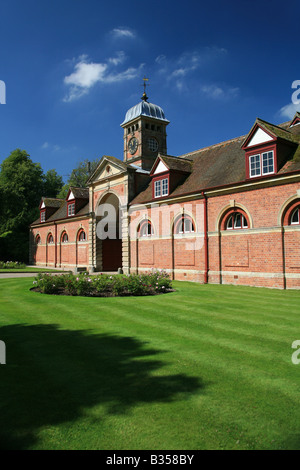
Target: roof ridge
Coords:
[[275, 125], [174, 156], [214, 145]]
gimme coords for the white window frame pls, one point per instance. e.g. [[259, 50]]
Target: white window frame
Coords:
[[261, 166], [43, 216], [71, 209], [161, 187]]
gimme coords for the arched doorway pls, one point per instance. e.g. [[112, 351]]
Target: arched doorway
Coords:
[[109, 236]]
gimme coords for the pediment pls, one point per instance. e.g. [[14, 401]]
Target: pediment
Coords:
[[260, 136], [161, 168], [108, 167]]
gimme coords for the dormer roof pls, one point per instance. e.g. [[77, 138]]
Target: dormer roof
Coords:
[[171, 163]]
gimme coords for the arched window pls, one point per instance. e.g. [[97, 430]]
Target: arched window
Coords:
[[50, 239], [295, 217], [38, 240], [64, 237], [82, 236], [146, 229], [235, 221], [184, 224]]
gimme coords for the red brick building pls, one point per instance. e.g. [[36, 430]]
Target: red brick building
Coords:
[[229, 213]]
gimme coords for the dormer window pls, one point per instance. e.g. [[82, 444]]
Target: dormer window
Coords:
[[71, 209], [161, 187], [261, 164], [43, 216]]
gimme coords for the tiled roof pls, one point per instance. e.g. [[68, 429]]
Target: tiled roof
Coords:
[[224, 164], [52, 202], [80, 193], [62, 213], [177, 163]]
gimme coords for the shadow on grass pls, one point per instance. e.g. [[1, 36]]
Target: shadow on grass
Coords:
[[52, 375]]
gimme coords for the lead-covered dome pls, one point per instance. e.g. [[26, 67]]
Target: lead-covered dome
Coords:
[[145, 109]]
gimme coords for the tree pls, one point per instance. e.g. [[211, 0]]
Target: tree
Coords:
[[79, 176], [21, 185], [53, 184]]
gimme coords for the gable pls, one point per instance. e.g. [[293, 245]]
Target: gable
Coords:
[[71, 196], [259, 137], [43, 205], [161, 168], [296, 120], [108, 167]]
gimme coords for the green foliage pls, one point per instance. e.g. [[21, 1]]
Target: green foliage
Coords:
[[79, 176], [104, 285], [21, 184], [53, 184], [12, 265]]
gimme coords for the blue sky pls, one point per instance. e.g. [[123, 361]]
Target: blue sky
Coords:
[[73, 68]]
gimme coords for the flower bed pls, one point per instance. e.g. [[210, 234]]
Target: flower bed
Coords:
[[103, 285], [12, 265]]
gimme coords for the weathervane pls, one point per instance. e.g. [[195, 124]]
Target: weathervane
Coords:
[[145, 97]]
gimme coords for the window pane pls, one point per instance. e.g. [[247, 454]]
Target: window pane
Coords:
[[255, 165], [157, 188], [229, 223], [238, 221], [165, 187], [268, 162], [245, 223], [295, 217]]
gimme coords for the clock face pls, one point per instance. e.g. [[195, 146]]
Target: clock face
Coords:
[[152, 144], [132, 145]]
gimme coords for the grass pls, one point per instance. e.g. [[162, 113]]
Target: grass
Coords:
[[30, 270], [205, 367]]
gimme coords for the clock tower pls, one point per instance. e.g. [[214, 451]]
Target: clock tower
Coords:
[[144, 133]]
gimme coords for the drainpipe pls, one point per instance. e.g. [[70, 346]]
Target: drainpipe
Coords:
[[55, 260], [205, 240]]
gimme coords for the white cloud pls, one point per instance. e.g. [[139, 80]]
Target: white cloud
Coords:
[[86, 74], [45, 145], [181, 69], [289, 110], [220, 93], [123, 32]]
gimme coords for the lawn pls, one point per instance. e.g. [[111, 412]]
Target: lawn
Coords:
[[205, 367], [30, 270]]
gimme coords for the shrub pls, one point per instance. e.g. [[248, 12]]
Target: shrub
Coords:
[[103, 284], [12, 265], [49, 284]]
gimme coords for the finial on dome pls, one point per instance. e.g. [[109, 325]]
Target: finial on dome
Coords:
[[145, 97]]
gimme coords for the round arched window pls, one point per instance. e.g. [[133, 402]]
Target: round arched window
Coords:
[[50, 238], [146, 229], [64, 237], [38, 240], [184, 224], [81, 236], [237, 220]]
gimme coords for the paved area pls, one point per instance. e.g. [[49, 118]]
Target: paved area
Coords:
[[12, 275]]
